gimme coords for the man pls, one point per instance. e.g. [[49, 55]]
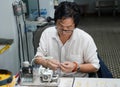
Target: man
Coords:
[[73, 50]]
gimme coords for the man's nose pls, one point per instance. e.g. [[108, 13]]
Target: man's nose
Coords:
[[64, 28]]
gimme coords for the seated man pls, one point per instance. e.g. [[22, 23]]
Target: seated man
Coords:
[[73, 51]]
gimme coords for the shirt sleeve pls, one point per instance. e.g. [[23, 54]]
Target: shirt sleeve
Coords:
[[90, 53], [42, 49]]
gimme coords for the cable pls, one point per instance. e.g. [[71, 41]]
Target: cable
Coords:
[[21, 41], [38, 8], [32, 61], [17, 13], [19, 51], [26, 38], [73, 81]]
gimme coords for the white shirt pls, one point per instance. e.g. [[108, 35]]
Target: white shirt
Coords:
[[79, 48]]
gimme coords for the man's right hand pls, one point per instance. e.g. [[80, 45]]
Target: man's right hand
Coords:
[[52, 64]]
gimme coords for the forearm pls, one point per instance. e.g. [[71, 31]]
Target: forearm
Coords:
[[87, 68]]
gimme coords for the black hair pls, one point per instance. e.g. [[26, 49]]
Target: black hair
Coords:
[[67, 9]]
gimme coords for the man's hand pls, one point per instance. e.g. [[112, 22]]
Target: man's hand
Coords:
[[67, 66], [53, 64], [50, 63]]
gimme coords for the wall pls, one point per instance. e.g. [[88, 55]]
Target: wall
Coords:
[[33, 5], [8, 29], [9, 59], [48, 5]]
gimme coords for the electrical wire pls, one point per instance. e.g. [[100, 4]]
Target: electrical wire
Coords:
[[26, 38], [23, 17], [21, 39], [19, 51], [38, 8], [73, 81]]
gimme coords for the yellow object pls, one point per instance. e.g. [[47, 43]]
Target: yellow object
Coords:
[[4, 76], [3, 48], [12, 84]]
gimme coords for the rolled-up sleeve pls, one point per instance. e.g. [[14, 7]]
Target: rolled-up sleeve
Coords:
[[90, 53]]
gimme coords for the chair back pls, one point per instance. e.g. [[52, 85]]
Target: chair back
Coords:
[[37, 34], [103, 72]]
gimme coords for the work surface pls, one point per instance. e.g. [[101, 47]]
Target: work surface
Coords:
[[86, 82]]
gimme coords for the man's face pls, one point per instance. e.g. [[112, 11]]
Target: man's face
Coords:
[[65, 26]]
